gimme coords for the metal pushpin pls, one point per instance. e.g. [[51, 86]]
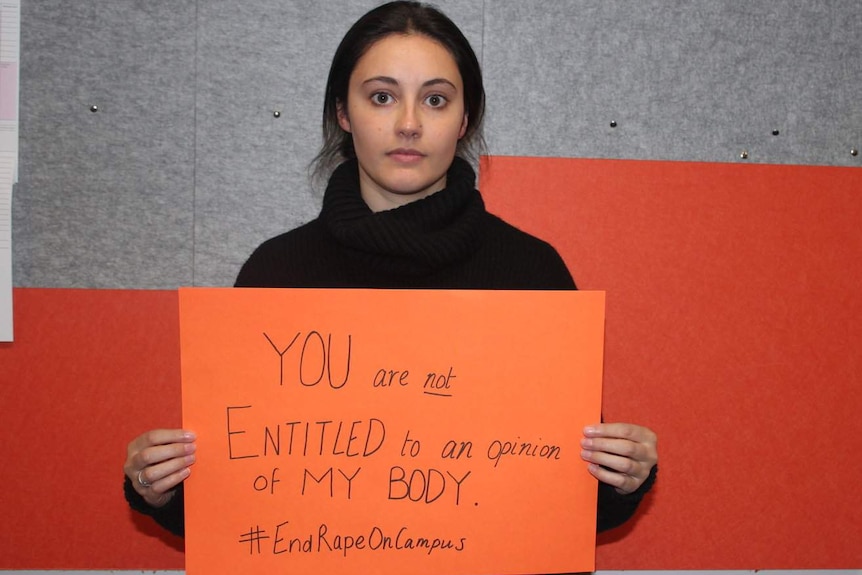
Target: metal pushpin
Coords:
[[854, 152], [613, 123], [775, 132], [276, 114], [94, 108], [744, 154]]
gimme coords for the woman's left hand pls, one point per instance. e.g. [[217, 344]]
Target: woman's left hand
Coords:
[[620, 454]]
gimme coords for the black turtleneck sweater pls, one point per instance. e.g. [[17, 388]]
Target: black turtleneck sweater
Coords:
[[444, 241]]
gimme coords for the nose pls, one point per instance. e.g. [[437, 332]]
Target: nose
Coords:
[[409, 122]]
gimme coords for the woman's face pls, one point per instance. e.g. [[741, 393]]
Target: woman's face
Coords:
[[405, 111]]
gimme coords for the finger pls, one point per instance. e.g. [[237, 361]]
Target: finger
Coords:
[[165, 484], [641, 452], [618, 430], [624, 484], [162, 491], [158, 500], [615, 463], [152, 474], [156, 484], [149, 459], [626, 475], [161, 437], [159, 453], [623, 447]]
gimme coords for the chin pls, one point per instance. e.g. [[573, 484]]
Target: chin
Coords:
[[412, 188]]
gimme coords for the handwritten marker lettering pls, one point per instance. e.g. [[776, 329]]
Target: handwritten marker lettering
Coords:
[[329, 476], [439, 385], [377, 538], [358, 438], [381, 379], [499, 449], [455, 450], [315, 360], [422, 485], [253, 538]]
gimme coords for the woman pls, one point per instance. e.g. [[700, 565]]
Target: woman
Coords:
[[403, 108]]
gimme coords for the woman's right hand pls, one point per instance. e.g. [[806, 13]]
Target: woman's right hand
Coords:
[[158, 461]]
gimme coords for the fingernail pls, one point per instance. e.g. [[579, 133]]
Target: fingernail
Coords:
[[190, 435], [590, 430], [190, 447], [586, 442], [585, 454]]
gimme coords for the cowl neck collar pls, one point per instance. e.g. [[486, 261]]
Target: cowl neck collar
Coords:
[[414, 239]]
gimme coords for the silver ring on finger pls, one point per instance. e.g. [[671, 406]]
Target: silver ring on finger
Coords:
[[141, 481]]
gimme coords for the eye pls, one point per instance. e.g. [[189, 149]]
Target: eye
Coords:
[[381, 98], [436, 101]]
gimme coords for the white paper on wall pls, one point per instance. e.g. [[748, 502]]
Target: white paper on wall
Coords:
[[10, 35]]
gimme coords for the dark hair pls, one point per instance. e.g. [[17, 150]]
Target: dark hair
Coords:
[[400, 17]]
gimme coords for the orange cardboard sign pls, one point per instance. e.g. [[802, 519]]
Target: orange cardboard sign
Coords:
[[390, 431]]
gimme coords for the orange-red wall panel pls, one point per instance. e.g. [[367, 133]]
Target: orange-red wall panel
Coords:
[[88, 371], [734, 329]]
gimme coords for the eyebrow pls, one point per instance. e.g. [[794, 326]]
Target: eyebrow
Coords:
[[393, 82]]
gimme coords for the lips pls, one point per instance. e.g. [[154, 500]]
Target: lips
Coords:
[[405, 155]]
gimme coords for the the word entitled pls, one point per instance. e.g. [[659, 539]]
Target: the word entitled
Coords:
[[359, 438]]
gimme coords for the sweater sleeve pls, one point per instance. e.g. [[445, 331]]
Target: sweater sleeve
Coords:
[[170, 516], [615, 509]]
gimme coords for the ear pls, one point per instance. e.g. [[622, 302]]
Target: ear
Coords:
[[463, 129], [341, 113]]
